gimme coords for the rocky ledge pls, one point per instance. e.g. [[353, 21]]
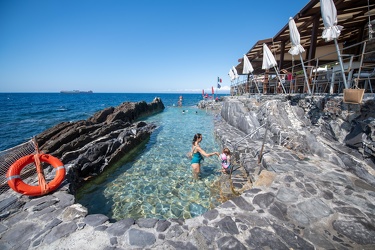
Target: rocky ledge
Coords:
[[309, 191], [87, 147]]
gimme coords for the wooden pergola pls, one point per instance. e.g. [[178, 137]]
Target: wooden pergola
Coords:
[[353, 15]]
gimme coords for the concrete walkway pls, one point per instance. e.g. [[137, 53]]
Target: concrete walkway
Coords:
[[297, 202]]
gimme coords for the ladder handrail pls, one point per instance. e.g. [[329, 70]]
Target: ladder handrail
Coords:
[[250, 134]]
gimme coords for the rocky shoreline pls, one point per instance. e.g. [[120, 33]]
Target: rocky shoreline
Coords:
[[88, 147], [309, 189]]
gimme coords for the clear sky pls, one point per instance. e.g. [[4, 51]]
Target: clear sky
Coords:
[[123, 46]]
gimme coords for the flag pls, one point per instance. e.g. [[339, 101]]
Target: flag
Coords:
[[220, 80], [218, 86], [213, 91], [202, 91]]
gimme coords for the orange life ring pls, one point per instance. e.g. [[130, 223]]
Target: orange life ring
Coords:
[[14, 175]]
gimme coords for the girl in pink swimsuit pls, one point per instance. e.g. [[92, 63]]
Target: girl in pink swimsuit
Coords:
[[225, 160]]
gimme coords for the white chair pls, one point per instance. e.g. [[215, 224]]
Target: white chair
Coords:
[[367, 76]]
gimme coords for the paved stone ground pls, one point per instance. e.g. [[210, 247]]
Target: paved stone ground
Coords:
[[297, 202]]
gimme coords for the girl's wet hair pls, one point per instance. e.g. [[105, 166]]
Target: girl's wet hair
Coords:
[[226, 151], [196, 137]]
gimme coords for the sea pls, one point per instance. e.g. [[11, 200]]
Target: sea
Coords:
[[153, 181]]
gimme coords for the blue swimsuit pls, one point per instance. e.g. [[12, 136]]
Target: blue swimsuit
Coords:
[[197, 157]]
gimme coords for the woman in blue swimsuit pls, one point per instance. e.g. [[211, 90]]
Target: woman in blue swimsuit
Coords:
[[197, 155]]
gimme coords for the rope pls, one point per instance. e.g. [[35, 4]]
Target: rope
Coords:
[[41, 178]]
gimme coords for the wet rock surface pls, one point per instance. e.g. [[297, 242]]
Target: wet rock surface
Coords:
[[305, 195]]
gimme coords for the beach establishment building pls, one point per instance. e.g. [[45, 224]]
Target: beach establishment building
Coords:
[[321, 70]]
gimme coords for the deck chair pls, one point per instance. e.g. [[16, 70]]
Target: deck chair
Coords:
[[321, 81]]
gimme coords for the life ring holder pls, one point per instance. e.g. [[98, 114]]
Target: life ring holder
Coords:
[[14, 175]]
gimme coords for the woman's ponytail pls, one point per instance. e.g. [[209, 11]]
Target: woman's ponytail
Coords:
[[196, 137]]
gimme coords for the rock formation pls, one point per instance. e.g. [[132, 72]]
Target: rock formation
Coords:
[[307, 125], [89, 146]]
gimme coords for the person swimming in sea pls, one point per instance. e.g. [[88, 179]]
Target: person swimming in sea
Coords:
[[197, 155], [180, 101]]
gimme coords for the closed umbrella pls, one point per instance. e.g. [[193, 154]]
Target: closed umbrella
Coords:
[[235, 72], [268, 59], [331, 29], [297, 48], [236, 76], [248, 69], [269, 62], [231, 75]]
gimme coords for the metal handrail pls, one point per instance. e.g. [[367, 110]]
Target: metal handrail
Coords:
[[234, 148], [250, 134]]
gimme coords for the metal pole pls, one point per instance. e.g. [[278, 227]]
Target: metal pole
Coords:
[[341, 64], [304, 72], [360, 64], [252, 76], [278, 76], [292, 81], [315, 73]]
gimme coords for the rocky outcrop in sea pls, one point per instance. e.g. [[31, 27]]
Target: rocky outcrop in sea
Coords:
[[87, 147]]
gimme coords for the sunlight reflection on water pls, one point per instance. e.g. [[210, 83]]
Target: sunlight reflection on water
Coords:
[[157, 182]]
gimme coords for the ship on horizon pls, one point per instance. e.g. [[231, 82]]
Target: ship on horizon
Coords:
[[75, 92]]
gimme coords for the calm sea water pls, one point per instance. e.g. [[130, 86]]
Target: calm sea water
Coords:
[[155, 180]]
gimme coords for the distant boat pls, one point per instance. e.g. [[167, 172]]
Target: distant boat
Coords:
[[75, 92]]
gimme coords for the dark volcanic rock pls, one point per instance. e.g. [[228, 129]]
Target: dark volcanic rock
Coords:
[[228, 225], [103, 139]]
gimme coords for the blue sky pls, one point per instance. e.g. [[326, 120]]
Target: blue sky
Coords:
[[123, 46]]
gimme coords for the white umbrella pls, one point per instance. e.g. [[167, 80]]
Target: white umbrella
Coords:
[[269, 62], [331, 29], [297, 48], [248, 69], [236, 76], [231, 75], [268, 59], [235, 72]]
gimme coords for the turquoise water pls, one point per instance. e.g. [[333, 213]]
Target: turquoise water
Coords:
[[157, 182]]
